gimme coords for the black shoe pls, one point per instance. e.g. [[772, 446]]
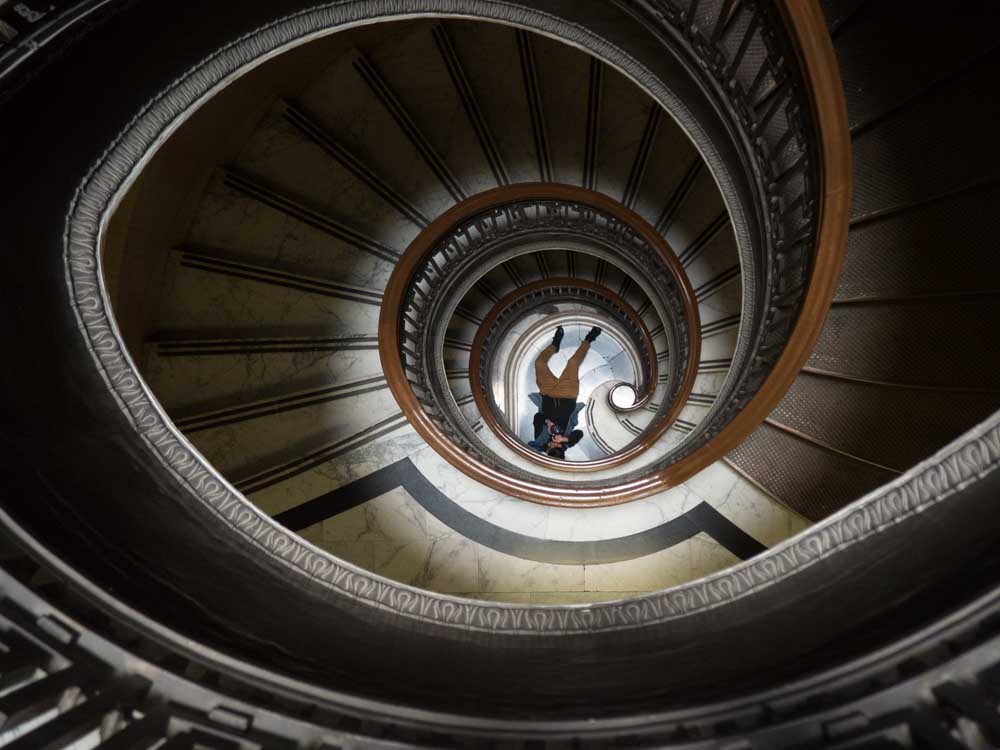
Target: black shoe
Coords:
[[594, 333], [557, 339]]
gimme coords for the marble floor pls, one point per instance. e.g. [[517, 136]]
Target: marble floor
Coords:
[[411, 540], [394, 536]]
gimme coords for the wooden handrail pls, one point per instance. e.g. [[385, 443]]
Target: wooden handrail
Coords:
[[486, 409], [818, 64], [424, 244]]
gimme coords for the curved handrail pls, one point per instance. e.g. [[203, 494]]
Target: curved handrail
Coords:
[[482, 238], [484, 404], [818, 64], [829, 119], [391, 339], [552, 213]]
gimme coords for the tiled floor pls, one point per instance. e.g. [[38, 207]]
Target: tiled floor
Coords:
[[392, 535]]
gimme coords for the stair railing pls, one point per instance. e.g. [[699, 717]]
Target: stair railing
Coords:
[[480, 233]]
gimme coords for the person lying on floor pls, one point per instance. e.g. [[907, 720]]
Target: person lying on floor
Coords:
[[558, 410]]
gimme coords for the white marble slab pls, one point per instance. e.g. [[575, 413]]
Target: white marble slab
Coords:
[[585, 524], [502, 572], [755, 511], [339, 471], [690, 559]]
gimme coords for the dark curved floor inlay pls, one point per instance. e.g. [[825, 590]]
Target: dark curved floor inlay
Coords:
[[403, 473]]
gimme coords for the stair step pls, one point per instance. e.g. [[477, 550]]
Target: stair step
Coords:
[[622, 125], [372, 128], [269, 223], [925, 48], [203, 293], [912, 135], [243, 437], [492, 62], [910, 343], [866, 420], [183, 372], [901, 255], [832, 480]]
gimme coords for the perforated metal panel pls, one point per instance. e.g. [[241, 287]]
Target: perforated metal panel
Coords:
[[887, 52], [940, 143], [810, 480], [942, 343], [946, 246], [891, 426], [838, 11]]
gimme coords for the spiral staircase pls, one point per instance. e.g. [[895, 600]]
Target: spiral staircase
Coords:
[[277, 276], [309, 226]]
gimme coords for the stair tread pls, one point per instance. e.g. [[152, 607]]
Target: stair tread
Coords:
[[204, 298], [940, 343], [881, 69], [811, 480], [228, 219], [186, 378], [946, 246], [432, 101], [247, 442], [905, 159], [869, 420], [367, 128], [492, 62]]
